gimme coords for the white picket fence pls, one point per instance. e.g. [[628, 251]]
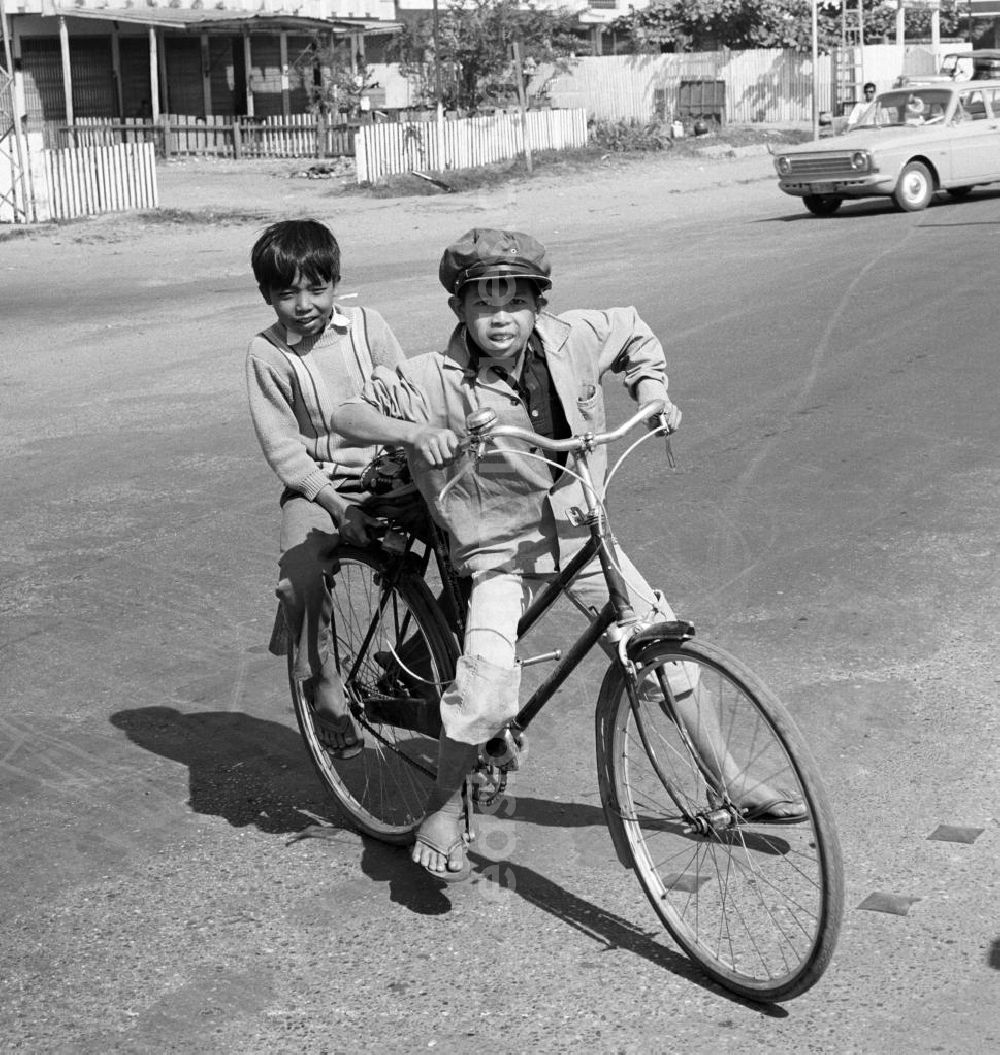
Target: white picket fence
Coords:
[[298, 135], [64, 184], [91, 180], [436, 146]]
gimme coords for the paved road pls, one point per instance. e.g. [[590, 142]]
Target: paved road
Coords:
[[832, 520]]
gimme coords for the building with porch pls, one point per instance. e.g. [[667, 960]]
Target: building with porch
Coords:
[[138, 59]]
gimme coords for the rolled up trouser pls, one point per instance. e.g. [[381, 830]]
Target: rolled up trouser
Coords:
[[484, 694], [481, 699]]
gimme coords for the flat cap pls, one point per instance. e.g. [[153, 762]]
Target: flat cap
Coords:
[[487, 253]]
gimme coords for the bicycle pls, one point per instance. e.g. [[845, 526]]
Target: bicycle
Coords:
[[684, 733]]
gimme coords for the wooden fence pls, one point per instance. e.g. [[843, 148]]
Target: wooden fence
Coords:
[[300, 135], [766, 85], [435, 146], [87, 180]]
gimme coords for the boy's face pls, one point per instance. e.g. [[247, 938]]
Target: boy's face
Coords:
[[499, 314], [304, 306]]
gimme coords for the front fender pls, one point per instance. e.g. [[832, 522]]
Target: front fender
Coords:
[[668, 630]]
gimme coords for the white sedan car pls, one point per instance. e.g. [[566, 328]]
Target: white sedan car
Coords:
[[910, 143]]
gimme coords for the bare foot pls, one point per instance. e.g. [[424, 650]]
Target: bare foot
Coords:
[[440, 847], [327, 692], [335, 726]]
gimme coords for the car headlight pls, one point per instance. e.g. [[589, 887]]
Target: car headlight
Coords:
[[783, 165], [861, 161]]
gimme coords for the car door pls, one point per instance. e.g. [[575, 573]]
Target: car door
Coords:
[[993, 102], [975, 139]]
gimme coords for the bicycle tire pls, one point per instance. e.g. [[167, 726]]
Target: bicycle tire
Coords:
[[757, 905], [379, 611]]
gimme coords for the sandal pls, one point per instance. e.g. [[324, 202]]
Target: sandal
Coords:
[[447, 876], [763, 813], [338, 735]]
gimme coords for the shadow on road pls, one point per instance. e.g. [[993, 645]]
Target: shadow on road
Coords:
[[993, 958], [606, 928], [246, 770], [251, 770], [391, 864]]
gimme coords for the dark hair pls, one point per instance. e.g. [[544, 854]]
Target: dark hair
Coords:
[[869, 84], [292, 247]]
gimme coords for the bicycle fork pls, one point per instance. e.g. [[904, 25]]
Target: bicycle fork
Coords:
[[702, 822]]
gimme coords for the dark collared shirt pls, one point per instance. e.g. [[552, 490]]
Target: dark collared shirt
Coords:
[[537, 392]]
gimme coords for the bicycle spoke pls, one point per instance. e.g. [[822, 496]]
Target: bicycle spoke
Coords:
[[755, 902], [377, 611]]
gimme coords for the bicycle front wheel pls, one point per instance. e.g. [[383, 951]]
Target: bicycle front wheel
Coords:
[[714, 800], [394, 652]]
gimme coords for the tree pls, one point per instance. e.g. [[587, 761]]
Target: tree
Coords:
[[330, 83], [880, 21], [473, 42], [707, 25]]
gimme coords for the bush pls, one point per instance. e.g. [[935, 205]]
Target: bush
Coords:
[[621, 137]]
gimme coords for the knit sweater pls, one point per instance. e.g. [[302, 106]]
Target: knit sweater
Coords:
[[295, 390]]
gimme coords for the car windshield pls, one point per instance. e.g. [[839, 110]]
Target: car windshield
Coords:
[[907, 107]]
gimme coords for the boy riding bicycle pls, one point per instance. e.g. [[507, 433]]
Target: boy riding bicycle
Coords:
[[509, 524]]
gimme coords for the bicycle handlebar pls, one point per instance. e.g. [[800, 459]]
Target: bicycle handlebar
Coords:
[[482, 427]]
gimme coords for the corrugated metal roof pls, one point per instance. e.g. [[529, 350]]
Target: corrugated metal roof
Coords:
[[187, 18]]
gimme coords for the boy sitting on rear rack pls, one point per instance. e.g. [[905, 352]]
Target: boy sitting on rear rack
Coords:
[[508, 522], [315, 355]]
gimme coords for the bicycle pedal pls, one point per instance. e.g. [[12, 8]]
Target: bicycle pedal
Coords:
[[506, 751]]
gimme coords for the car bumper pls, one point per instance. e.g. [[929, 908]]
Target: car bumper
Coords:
[[849, 187]]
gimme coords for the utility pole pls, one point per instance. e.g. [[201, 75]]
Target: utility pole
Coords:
[[438, 102], [437, 57], [815, 65], [515, 53]]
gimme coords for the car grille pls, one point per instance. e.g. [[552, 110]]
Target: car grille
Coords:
[[821, 165]]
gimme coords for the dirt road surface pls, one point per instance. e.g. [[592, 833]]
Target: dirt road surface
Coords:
[[833, 520]]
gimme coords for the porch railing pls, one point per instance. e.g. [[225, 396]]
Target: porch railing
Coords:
[[300, 135]]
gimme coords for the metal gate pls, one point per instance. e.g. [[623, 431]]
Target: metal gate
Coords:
[[15, 199]]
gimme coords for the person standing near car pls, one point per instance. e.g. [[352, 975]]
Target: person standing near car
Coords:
[[861, 108]]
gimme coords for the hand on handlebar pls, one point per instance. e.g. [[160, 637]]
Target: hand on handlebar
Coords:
[[669, 419], [437, 447]]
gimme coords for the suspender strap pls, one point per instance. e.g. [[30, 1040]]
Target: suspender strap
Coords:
[[315, 395], [312, 388]]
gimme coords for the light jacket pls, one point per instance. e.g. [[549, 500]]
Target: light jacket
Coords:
[[508, 512]]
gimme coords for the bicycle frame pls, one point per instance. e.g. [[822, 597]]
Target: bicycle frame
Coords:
[[618, 610]]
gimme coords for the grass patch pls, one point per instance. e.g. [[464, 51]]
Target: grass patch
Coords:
[[8, 232], [117, 226], [199, 217]]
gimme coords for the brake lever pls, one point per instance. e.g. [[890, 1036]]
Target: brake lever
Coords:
[[671, 461], [667, 431]]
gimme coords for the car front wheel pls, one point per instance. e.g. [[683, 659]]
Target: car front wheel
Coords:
[[915, 188], [822, 204]]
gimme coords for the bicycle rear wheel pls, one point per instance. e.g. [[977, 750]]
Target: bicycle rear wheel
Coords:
[[394, 651], [755, 903]]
